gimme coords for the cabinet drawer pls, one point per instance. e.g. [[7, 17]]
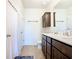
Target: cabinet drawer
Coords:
[[65, 49], [48, 48], [49, 40], [48, 56]]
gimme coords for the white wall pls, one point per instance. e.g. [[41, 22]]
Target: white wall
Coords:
[[32, 29], [69, 18]]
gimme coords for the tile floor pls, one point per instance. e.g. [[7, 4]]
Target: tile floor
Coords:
[[32, 51]]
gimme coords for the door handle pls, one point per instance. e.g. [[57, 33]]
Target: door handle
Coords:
[[8, 35]]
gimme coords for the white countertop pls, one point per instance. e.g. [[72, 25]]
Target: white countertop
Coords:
[[64, 39]]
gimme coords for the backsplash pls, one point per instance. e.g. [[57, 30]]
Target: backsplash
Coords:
[[54, 30]]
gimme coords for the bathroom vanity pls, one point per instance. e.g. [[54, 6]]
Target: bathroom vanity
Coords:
[[56, 47]]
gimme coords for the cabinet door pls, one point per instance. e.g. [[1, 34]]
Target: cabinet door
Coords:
[[48, 56], [49, 48], [52, 52], [43, 49], [58, 55], [46, 19], [49, 40], [43, 42], [65, 49], [44, 46]]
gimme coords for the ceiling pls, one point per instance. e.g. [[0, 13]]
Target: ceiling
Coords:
[[63, 4], [35, 3]]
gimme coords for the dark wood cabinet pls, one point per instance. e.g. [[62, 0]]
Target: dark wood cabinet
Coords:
[[48, 48], [54, 49], [44, 47], [58, 55], [65, 49], [48, 56], [49, 40], [54, 21], [46, 19]]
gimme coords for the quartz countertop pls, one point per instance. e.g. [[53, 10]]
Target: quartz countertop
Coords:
[[62, 38]]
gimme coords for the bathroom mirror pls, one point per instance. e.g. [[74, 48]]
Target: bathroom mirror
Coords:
[[63, 15]]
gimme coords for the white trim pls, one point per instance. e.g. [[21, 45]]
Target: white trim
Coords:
[[12, 6]]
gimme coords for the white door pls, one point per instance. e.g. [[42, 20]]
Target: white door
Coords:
[[11, 29], [31, 33]]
